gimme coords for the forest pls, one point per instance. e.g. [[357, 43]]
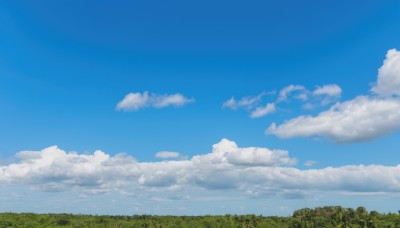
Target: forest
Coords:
[[329, 216]]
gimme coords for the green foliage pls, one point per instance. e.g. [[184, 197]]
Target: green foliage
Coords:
[[335, 216]]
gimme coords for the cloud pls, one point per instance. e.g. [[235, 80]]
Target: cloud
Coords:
[[53, 169], [136, 101], [251, 104], [228, 152], [169, 155], [332, 90], [231, 103], [310, 163], [328, 93], [245, 102], [363, 118], [307, 106], [302, 96], [322, 95], [262, 111], [388, 83], [285, 92], [252, 171], [360, 119]]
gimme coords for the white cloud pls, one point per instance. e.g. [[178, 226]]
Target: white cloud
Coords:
[[251, 104], [363, 118], [308, 106], [262, 111], [388, 83], [161, 101], [169, 155], [332, 90], [285, 92], [302, 96], [360, 119], [322, 95], [53, 169], [231, 103], [227, 152], [310, 163], [327, 94], [245, 102], [136, 101], [251, 171]]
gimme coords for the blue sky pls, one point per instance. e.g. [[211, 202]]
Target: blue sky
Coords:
[[66, 65]]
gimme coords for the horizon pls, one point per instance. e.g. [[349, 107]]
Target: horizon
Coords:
[[190, 108]]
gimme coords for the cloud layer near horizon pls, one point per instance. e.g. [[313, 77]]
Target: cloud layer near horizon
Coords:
[[363, 118], [253, 171]]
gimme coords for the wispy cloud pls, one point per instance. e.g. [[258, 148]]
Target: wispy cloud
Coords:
[[332, 90], [257, 108], [136, 101], [262, 111], [285, 92], [251, 104], [327, 94], [310, 163], [360, 119], [247, 103], [170, 155]]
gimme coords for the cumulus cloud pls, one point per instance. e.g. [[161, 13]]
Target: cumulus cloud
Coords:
[[363, 118], [136, 101], [228, 152], [250, 170], [388, 83], [53, 169], [360, 119], [262, 111]]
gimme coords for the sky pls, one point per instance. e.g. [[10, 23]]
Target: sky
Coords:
[[199, 107]]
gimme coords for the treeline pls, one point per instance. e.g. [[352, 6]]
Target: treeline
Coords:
[[343, 217], [318, 217]]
